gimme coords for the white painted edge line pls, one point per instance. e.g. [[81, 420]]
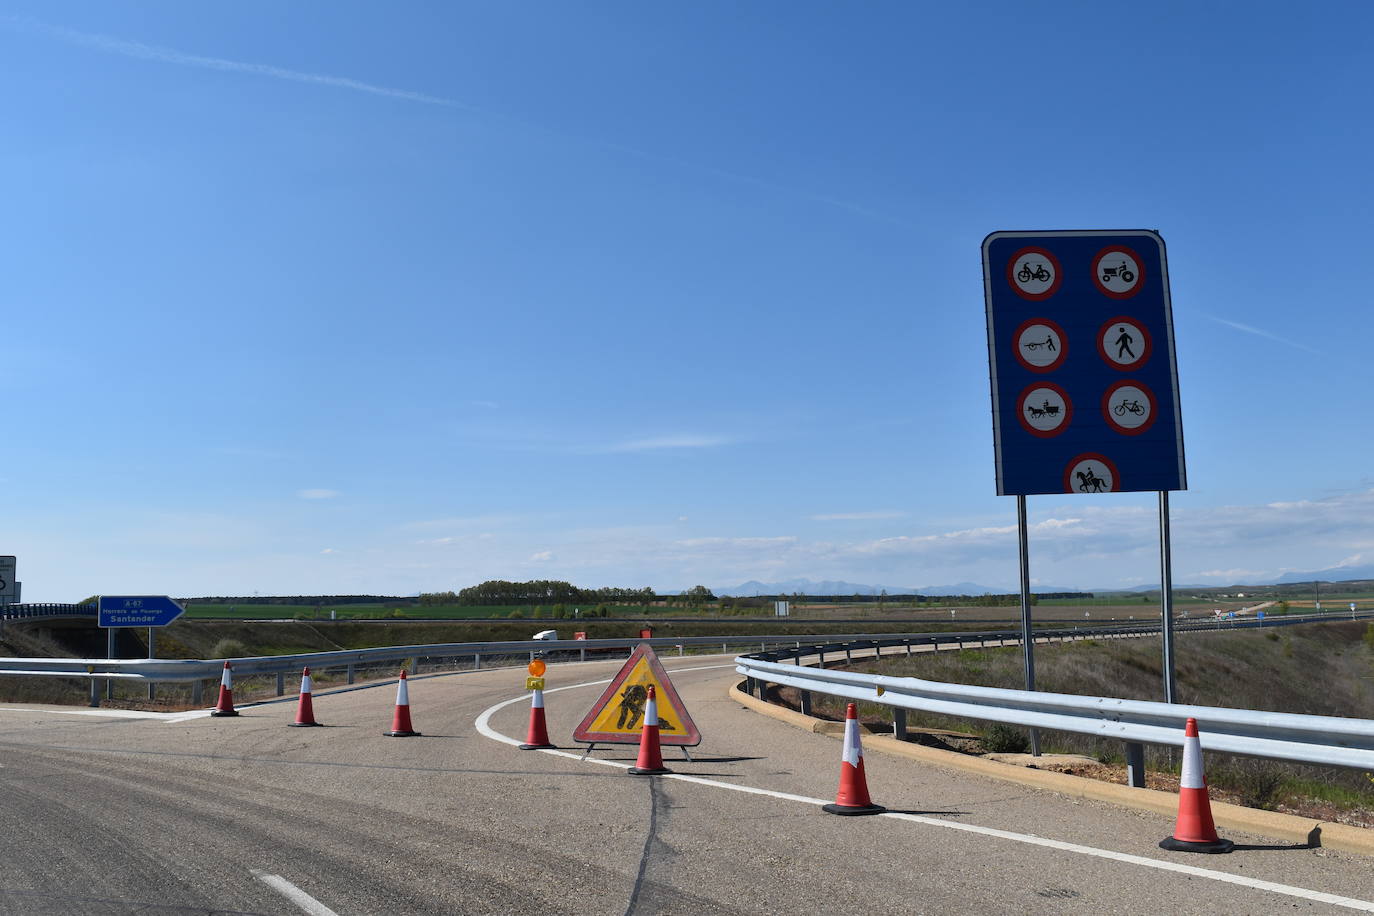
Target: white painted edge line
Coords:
[[114, 713], [483, 725], [297, 896]]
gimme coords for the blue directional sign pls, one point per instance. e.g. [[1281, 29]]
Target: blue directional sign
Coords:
[[1081, 351], [137, 610]]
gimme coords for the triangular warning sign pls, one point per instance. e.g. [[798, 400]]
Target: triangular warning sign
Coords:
[[617, 717]]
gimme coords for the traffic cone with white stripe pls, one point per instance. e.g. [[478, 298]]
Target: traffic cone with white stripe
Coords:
[[852, 798], [400, 723], [650, 762], [538, 735], [305, 710], [1194, 830], [225, 706]]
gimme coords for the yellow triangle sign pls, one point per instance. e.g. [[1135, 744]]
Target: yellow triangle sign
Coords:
[[617, 717]]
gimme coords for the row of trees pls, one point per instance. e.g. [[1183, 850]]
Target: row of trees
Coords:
[[499, 592]]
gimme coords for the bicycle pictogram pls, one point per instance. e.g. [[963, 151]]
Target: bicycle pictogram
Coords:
[[1040, 273], [1125, 406]]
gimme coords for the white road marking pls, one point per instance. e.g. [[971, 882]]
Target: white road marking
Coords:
[[114, 713], [483, 725], [297, 896]]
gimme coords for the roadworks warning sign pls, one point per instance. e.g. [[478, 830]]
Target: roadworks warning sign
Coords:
[[617, 717]]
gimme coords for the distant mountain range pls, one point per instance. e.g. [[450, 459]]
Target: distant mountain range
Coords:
[[1333, 574], [836, 587], [754, 588]]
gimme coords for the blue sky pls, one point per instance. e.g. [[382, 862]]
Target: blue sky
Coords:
[[346, 298]]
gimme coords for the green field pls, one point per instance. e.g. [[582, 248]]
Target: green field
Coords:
[[407, 612]]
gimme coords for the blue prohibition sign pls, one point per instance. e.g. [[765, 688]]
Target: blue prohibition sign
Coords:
[[1082, 364]]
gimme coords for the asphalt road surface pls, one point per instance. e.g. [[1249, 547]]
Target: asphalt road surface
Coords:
[[115, 814]]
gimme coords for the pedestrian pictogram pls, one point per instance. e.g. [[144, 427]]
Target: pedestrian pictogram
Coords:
[[1091, 473], [534, 683], [1124, 343], [1034, 273], [1044, 409], [1129, 407], [1040, 345], [617, 716], [1118, 271]]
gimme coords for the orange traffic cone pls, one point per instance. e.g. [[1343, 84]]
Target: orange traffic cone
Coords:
[[852, 798], [538, 735], [305, 710], [225, 706], [400, 723], [650, 762], [1194, 830]]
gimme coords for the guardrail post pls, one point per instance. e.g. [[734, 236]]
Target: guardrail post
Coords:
[[804, 701], [848, 655], [351, 673], [197, 692], [899, 723], [1135, 765], [680, 650], [908, 647], [820, 657], [95, 693], [415, 665], [584, 655], [749, 685]]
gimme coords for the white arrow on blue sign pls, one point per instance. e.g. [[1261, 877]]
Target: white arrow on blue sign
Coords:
[[137, 610]]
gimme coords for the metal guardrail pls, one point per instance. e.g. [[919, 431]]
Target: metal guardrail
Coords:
[[1324, 740], [30, 611]]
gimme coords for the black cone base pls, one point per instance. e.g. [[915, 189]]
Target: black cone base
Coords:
[[1216, 846], [648, 771], [223, 712], [536, 747], [303, 724], [401, 734], [851, 810]]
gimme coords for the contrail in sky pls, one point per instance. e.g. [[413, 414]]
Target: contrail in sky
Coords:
[[171, 56], [136, 49], [1259, 333]]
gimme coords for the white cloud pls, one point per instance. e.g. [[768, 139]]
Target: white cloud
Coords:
[[542, 556], [317, 494], [659, 443]]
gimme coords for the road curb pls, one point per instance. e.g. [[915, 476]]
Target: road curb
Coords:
[[1287, 827]]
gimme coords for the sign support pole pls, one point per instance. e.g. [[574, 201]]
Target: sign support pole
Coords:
[[1166, 597], [109, 653], [1027, 643], [152, 654]]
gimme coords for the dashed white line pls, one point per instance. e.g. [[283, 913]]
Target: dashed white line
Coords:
[[483, 725], [297, 896]]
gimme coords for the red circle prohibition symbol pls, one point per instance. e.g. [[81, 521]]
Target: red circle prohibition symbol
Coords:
[[1059, 332], [1021, 410], [1084, 485], [1097, 272], [1147, 343], [1109, 409], [1054, 284]]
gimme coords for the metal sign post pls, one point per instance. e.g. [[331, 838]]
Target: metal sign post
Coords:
[[1166, 597], [1027, 642], [1083, 376]]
